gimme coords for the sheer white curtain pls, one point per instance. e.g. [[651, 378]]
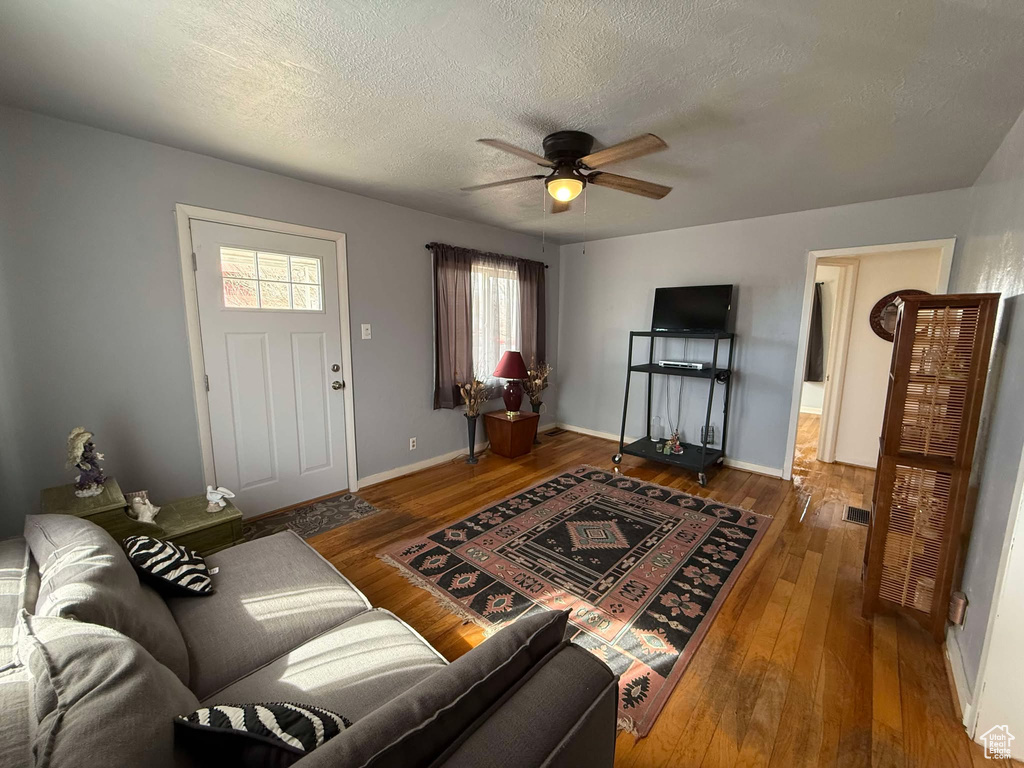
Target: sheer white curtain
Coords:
[[496, 324]]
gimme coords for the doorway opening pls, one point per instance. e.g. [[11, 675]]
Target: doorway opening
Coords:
[[843, 358]]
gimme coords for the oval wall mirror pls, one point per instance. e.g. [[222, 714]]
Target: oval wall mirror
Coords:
[[883, 314]]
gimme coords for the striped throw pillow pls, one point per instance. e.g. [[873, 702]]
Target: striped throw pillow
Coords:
[[169, 565], [276, 733]]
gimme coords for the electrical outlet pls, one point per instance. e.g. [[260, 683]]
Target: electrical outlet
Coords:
[[412, 443], [366, 331]]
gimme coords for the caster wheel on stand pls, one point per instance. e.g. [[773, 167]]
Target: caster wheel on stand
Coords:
[[702, 479], [617, 458]]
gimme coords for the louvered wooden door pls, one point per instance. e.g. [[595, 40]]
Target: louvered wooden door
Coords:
[[933, 404]]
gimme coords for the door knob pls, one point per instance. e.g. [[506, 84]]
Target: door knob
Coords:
[[337, 384]]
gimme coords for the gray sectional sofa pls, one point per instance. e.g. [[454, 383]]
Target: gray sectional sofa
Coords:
[[94, 664]]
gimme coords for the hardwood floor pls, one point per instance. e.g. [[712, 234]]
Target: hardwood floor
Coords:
[[789, 674]]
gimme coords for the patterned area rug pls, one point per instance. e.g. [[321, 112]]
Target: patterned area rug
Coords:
[[643, 568], [311, 519]]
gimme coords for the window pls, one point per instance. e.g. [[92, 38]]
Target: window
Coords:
[[496, 326], [258, 280]]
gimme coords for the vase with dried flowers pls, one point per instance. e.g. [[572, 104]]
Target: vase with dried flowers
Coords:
[[536, 382], [83, 456], [474, 394]]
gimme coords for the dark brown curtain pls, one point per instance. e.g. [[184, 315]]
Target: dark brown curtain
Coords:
[[453, 321], [815, 368], [532, 303]]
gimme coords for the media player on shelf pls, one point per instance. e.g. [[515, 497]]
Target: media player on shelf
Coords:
[[683, 364]]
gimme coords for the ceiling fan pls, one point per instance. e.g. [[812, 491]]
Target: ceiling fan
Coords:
[[574, 164]]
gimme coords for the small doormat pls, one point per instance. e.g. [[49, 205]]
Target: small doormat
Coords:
[[311, 519], [643, 568], [857, 515]]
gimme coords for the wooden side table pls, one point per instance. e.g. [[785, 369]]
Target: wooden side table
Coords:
[[184, 521], [511, 436]]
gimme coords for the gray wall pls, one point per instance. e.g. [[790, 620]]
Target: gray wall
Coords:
[[91, 273], [992, 259], [610, 291]]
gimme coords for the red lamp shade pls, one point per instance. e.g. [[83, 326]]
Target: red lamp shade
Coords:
[[511, 366]]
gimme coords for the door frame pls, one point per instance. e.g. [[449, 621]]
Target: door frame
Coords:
[[947, 246], [183, 215]]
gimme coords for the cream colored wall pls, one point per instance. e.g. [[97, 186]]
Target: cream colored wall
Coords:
[[867, 362], [813, 394]]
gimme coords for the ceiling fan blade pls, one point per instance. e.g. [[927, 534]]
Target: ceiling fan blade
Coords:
[[559, 206], [502, 183], [625, 150], [504, 146], [626, 184]]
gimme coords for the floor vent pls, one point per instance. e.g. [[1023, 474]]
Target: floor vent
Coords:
[[856, 515], [555, 432]]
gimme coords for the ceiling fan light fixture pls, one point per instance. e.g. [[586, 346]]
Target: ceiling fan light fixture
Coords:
[[564, 185]]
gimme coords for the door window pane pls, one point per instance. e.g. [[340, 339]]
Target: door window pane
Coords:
[[305, 270], [278, 281], [305, 296], [238, 263], [273, 266], [240, 293]]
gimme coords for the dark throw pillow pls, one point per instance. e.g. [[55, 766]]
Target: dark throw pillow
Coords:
[[271, 735], [169, 566]]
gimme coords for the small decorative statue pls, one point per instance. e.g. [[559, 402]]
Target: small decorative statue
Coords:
[[143, 509], [672, 445], [216, 498], [82, 455]]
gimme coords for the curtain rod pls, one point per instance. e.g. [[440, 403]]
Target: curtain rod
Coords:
[[517, 258]]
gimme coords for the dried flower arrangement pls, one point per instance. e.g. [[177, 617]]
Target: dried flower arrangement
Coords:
[[474, 394], [536, 380]]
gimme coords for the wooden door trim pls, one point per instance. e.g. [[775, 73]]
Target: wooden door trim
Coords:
[[184, 214]]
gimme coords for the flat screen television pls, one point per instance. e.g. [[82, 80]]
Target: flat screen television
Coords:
[[692, 309]]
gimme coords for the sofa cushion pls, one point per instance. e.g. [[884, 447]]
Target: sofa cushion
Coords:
[[416, 727], [352, 669], [15, 724], [568, 706], [14, 573], [273, 594], [99, 698], [269, 734], [84, 574]]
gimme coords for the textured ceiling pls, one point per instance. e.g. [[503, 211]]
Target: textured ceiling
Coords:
[[768, 105]]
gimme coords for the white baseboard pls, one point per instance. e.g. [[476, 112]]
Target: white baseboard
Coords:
[[961, 689], [408, 469], [810, 409], [757, 469], [735, 464]]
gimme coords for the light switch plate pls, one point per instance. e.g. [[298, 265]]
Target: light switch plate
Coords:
[[366, 330]]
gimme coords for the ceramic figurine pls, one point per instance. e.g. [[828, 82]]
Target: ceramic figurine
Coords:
[[216, 498], [143, 510], [82, 455]]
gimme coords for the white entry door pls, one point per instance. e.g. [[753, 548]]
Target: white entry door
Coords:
[[270, 325]]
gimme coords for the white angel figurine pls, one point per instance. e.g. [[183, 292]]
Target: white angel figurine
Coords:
[[145, 511], [216, 498]]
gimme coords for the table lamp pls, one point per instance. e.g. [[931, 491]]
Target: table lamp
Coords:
[[513, 368]]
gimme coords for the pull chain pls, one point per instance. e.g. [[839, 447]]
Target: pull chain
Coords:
[[584, 221], [543, 218]]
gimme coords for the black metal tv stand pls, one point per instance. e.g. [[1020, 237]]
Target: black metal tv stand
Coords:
[[695, 457]]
